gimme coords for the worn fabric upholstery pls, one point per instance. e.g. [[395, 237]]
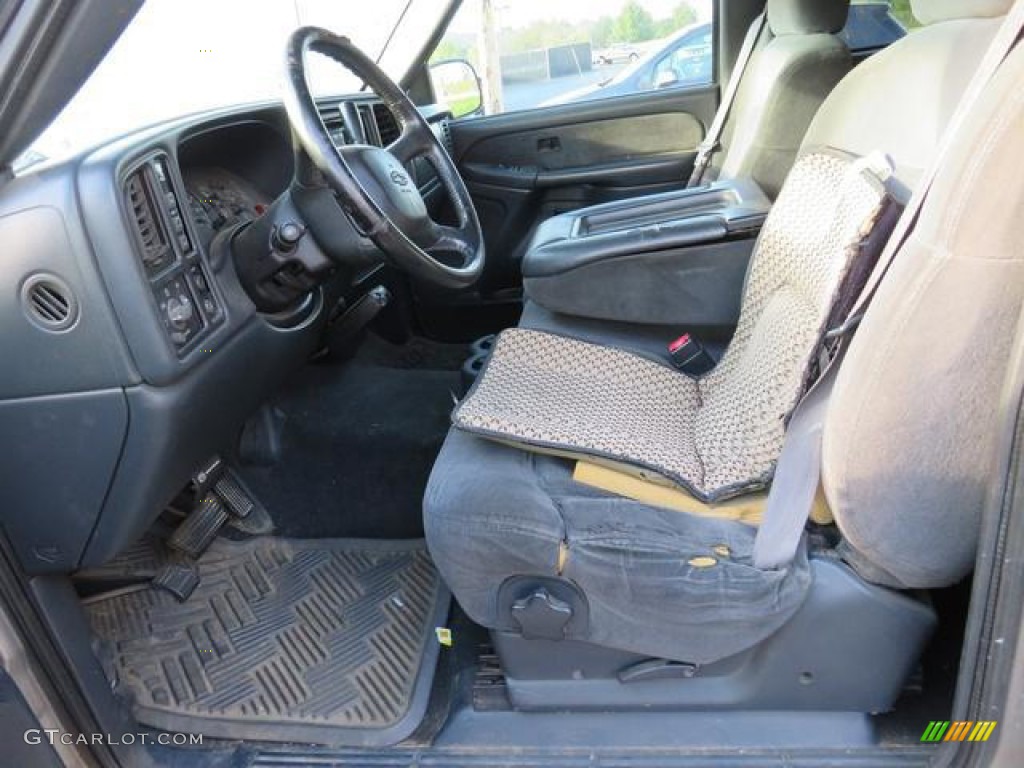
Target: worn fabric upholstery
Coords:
[[722, 434], [509, 512], [901, 99], [909, 439]]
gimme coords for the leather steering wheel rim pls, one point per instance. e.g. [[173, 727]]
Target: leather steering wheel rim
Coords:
[[416, 252]]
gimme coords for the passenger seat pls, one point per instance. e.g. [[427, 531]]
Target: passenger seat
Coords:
[[666, 607]]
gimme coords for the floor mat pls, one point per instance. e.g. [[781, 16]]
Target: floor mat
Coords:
[[326, 641]]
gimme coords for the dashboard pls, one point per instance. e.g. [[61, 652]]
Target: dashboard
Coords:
[[141, 354]]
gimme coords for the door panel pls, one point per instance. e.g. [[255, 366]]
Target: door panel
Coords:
[[579, 145], [524, 167]]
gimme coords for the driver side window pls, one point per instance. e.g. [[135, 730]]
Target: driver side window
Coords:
[[687, 63], [538, 53]]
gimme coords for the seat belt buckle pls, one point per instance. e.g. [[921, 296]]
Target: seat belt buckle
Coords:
[[689, 356]]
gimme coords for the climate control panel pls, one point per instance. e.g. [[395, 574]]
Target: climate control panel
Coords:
[[179, 278]]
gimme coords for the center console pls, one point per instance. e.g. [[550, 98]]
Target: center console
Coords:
[[677, 258]]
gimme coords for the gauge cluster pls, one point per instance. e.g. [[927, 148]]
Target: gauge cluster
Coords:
[[219, 199]]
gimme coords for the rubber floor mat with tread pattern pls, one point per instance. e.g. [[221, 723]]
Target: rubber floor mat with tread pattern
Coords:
[[326, 641]]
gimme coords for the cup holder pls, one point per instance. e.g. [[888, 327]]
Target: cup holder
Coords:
[[471, 369], [483, 345]]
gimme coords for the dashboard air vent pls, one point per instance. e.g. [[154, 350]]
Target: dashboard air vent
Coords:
[[387, 126], [446, 137], [156, 250], [49, 302], [368, 124], [335, 125]]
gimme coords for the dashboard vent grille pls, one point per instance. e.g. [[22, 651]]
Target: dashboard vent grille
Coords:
[[446, 137], [368, 124], [387, 126], [49, 302], [335, 125], [156, 249]]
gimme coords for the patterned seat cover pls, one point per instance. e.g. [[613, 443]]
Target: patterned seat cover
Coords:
[[721, 435]]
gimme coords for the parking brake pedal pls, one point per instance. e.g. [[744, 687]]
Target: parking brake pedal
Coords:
[[179, 578]]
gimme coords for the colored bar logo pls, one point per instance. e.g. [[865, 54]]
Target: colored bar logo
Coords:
[[944, 730]]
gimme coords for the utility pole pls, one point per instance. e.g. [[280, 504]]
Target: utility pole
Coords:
[[490, 57]]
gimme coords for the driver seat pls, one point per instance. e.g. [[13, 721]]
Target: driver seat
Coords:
[[599, 601]]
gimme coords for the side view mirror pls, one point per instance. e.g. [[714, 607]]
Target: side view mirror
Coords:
[[666, 78], [457, 85]]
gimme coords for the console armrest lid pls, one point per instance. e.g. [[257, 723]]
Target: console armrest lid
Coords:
[[666, 221]]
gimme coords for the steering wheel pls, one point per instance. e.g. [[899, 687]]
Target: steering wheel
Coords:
[[372, 184]]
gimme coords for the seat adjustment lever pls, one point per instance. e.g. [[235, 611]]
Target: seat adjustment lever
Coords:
[[541, 615], [657, 669]]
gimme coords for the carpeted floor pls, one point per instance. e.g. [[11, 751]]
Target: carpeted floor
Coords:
[[359, 442]]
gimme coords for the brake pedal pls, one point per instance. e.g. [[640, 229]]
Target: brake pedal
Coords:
[[197, 531], [178, 578]]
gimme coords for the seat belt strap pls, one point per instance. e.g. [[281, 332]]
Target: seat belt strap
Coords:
[[797, 476], [707, 148], [798, 472]]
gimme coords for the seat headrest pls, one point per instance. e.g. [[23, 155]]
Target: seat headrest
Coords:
[[934, 11], [807, 17]]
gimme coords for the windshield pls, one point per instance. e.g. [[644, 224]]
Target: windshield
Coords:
[[183, 56]]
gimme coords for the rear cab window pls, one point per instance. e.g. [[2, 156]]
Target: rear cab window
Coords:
[[871, 26]]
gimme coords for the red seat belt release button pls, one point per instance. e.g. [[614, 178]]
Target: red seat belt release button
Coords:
[[689, 356]]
